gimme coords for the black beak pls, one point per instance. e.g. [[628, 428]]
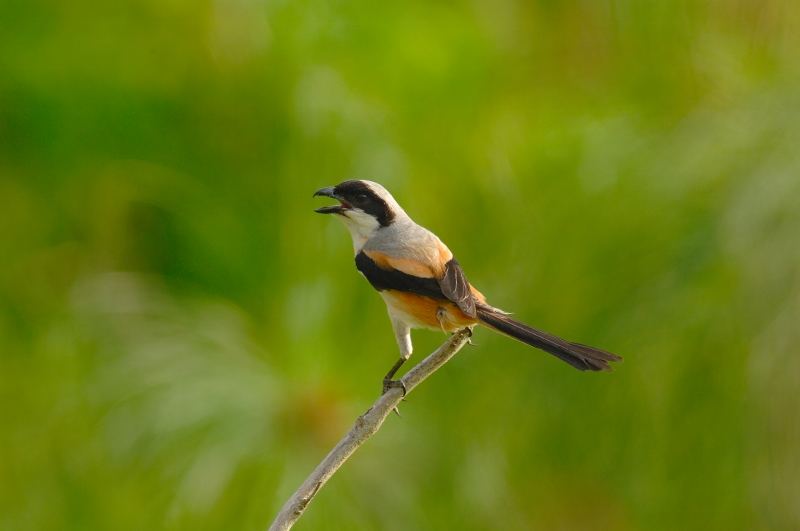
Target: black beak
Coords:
[[327, 192], [332, 209]]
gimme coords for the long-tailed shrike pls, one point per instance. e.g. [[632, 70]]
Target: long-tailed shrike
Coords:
[[422, 283]]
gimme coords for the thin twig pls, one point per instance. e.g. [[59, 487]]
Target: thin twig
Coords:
[[365, 426]]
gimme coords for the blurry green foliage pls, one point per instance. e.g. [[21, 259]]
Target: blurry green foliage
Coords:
[[182, 339]]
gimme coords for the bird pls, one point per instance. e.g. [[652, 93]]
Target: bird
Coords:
[[422, 283]]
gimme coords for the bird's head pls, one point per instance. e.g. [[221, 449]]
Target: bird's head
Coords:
[[364, 206]]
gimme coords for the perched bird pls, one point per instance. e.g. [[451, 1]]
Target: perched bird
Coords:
[[422, 283]]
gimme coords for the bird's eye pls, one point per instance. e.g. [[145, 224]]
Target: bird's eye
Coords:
[[361, 197]]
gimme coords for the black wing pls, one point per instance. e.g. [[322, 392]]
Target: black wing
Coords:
[[383, 279]]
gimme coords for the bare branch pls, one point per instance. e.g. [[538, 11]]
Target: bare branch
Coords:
[[365, 426]]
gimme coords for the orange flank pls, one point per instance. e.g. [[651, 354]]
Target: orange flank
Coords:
[[405, 265], [427, 312]]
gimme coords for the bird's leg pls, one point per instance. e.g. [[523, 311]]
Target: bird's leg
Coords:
[[471, 333], [402, 333], [441, 316], [388, 383]]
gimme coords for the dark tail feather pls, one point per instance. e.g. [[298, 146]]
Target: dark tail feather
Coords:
[[581, 357]]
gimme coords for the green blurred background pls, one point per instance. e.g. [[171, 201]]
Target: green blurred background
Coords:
[[182, 338]]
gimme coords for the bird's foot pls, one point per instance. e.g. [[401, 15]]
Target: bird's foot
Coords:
[[388, 383], [470, 333]]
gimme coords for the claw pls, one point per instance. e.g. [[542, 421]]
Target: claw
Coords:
[[388, 384]]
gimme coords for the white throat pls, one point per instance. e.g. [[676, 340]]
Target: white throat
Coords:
[[362, 227]]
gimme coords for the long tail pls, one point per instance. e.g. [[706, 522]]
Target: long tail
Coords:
[[581, 357]]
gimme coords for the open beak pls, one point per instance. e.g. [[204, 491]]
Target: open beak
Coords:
[[332, 209]]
